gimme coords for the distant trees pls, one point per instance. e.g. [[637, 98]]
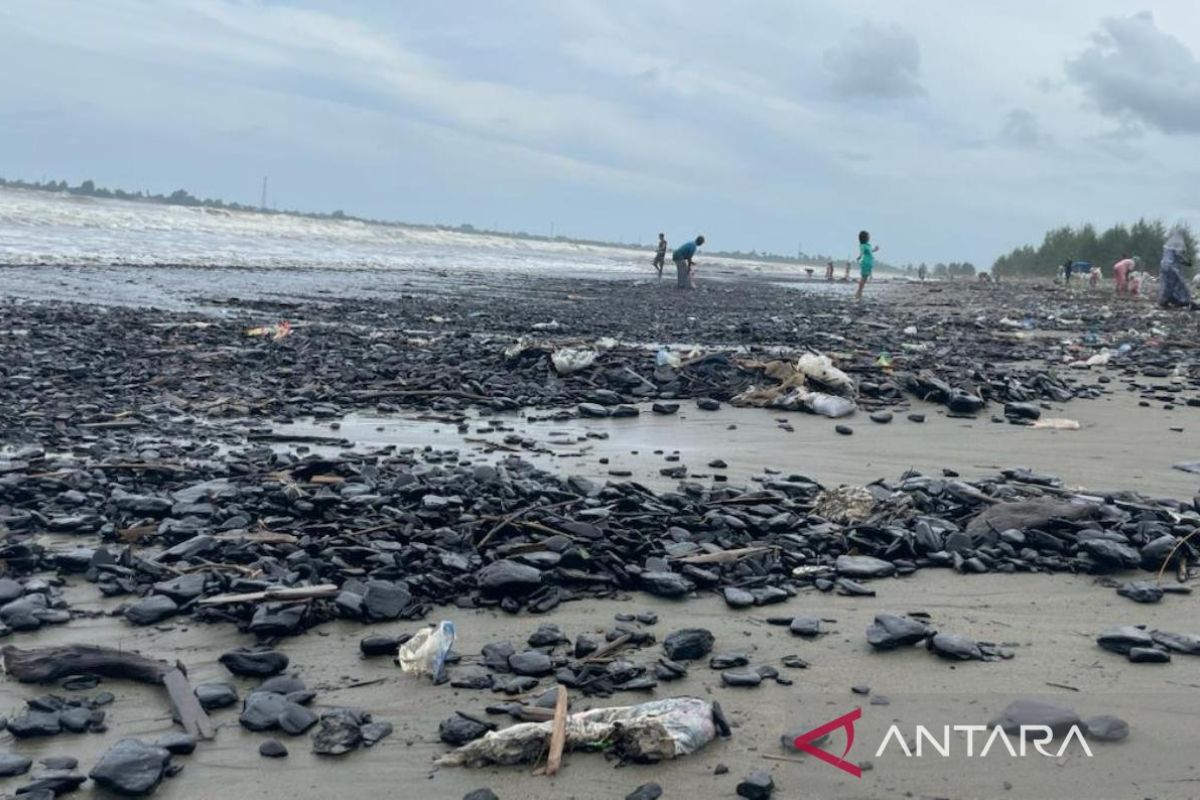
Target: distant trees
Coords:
[[1143, 239]]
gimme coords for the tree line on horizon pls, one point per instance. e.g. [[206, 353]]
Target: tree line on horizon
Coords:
[[1143, 240]]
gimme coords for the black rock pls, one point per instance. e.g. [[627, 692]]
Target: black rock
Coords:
[[385, 600], [647, 791], [707, 404], [592, 410], [737, 598], [1113, 555], [496, 654], [78, 719], [727, 660], [532, 663], [1188, 643], [1031, 711], [216, 695], [758, 785], [377, 645], [805, 626], [277, 619], [1022, 411], [916, 417], [1124, 638], [864, 567], [665, 408], [965, 403], [375, 732], [182, 589], [59, 762], [13, 764], [741, 677], [481, 794], [844, 430], [340, 732], [882, 417], [261, 710], [1141, 591], [890, 631], [272, 748], [458, 730], [56, 781], [508, 578], [471, 678], [177, 743], [1148, 655], [131, 767], [547, 635], [794, 661], [954, 646], [295, 719], [852, 588], [1106, 728], [665, 584], [254, 663], [35, 723], [688, 644], [150, 610]]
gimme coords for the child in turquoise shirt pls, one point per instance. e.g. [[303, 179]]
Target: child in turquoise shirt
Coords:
[[866, 261]]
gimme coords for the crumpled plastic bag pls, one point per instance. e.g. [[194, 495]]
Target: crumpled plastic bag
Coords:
[[659, 730], [572, 359], [606, 343], [820, 369], [796, 398], [425, 653], [829, 405], [277, 331], [516, 348], [665, 358]]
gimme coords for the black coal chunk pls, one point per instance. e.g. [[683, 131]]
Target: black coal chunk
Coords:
[[1141, 591], [1124, 638], [216, 695], [508, 578], [150, 610], [758, 785], [458, 730], [254, 663], [688, 644], [131, 767], [890, 631], [272, 748]]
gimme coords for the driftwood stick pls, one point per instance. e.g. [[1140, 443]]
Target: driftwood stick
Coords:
[[48, 664], [558, 732], [296, 593]]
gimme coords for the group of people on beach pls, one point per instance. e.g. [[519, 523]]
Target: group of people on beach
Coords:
[[1127, 278], [684, 259]]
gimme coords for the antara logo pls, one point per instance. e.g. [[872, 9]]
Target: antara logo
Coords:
[[1036, 735]]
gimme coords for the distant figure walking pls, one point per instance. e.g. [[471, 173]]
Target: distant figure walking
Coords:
[[1172, 291], [829, 271], [846, 272], [1094, 276], [1121, 271], [660, 257], [921, 272], [683, 258], [866, 261]]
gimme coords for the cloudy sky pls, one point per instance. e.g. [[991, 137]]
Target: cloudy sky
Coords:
[[952, 129]]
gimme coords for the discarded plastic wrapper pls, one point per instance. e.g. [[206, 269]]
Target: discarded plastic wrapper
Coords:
[[820, 369], [516, 348], [552, 325], [425, 653], [1056, 423], [1098, 360], [665, 358], [276, 331], [606, 343], [571, 359], [659, 730]]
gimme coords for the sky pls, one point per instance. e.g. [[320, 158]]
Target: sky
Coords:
[[951, 129]]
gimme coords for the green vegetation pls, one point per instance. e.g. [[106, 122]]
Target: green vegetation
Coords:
[[1144, 240]]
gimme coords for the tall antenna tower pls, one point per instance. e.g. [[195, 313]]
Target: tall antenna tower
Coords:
[[263, 204]]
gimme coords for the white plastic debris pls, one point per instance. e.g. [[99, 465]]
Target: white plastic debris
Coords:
[[605, 343], [659, 730], [425, 653], [552, 325], [829, 405], [911, 330], [665, 358], [572, 359], [516, 348], [820, 369], [1056, 423]]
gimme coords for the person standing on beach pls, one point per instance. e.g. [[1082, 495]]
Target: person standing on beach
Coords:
[[660, 258], [1172, 291], [1121, 271], [829, 271], [683, 258], [866, 261]]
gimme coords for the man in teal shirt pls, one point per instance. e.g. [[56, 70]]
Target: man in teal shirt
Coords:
[[682, 257], [866, 261]]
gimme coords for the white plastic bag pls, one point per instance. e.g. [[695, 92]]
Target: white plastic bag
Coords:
[[820, 369], [571, 359], [425, 653], [665, 358]]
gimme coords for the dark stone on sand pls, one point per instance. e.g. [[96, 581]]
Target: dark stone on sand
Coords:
[[1106, 728], [794, 662], [254, 663], [741, 677], [665, 408], [805, 626], [58, 782], [727, 660], [955, 646], [1022, 411], [882, 417], [14, 764], [377, 645], [272, 620], [216, 695], [864, 567], [385, 600], [458, 730], [177, 743], [758, 785], [707, 404], [665, 584], [647, 791], [1148, 655], [481, 794], [340, 732], [1141, 591], [150, 610], [916, 417], [1124, 638], [1111, 554], [547, 635], [890, 631], [35, 723], [59, 762], [78, 719], [131, 767], [1187, 643], [965, 403], [844, 430], [295, 719], [471, 678], [592, 410], [261, 711], [272, 748], [860, 688], [688, 644], [532, 663], [1032, 711], [508, 578], [183, 588], [496, 654], [737, 598], [852, 588], [375, 732]]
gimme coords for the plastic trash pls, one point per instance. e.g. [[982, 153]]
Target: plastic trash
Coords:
[[911, 330], [659, 730], [277, 331], [606, 343], [665, 358], [884, 360], [425, 653], [572, 359], [829, 405], [552, 325], [820, 369], [1056, 423]]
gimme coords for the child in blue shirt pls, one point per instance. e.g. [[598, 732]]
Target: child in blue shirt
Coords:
[[866, 261]]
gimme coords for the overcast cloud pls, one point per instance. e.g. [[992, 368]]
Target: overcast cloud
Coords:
[[952, 130]]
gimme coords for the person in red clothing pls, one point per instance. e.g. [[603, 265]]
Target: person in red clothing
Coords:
[[1121, 271]]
